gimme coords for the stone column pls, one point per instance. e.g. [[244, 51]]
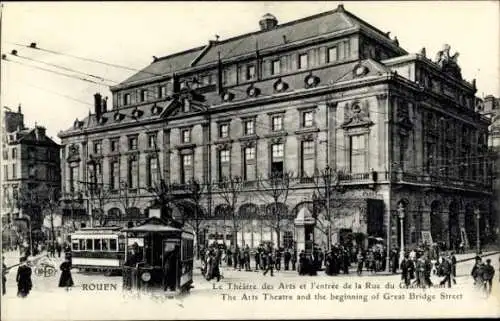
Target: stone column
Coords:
[[445, 217]]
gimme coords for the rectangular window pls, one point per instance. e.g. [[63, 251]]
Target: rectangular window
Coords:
[[277, 150], [132, 143], [105, 244], [249, 127], [277, 123], [249, 171], [303, 61], [114, 178], [112, 245], [143, 95], [98, 147], [187, 168], [224, 130], [277, 159], [73, 178], [14, 153], [224, 161], [153, 172], [332, 54], [250, 72], [5, 172], [97, 244], [225, 156], [307, 119], [5, 154], [225, 76], [133, 173], [357, 153], [14, 171], [186, 135], [82, 245], [114, 145], [90, 245], [276, 67], [152, 141], [307, 159], [126, 99]]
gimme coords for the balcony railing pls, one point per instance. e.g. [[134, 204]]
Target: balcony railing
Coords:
[[441, 181]]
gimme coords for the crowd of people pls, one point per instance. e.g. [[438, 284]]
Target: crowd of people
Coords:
[[24, 268]]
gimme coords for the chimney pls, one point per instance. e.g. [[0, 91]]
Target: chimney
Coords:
[[98, 105], [105, 105], [39, 132]]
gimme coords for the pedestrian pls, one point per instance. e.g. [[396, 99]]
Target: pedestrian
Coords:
[[445, 269], [394, 260], [246, 256], [23, 278], [270, 263], [453, 259], [257, 259], [287, 256], [476, 273], [487, 276], [4, 273], [360, 260], [293, 259], [278, 260], [236, 256], [65, 281], [59, 250]]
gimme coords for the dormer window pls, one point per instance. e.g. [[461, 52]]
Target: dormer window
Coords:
[[137, 113]]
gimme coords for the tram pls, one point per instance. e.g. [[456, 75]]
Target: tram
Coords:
[[98, 249], [159, 257]]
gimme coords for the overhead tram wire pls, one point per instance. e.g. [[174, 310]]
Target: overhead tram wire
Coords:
[[51, 71], [34, 46], [15, 53]]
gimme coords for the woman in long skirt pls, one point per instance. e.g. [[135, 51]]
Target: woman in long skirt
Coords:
[[65, 281]]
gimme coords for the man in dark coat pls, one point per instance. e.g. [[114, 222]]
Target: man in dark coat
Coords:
[[257, 258], [446, 271], [477, 271], [287, 256], [487, 276], [302, 263], [360, 260], [246, 257], [23, 279], [58, 249], [394, 260], [65, 281], [406, 270], [270, 262], [236, 257], [4, 273], [277, 263], [453, 259], [294, 260]]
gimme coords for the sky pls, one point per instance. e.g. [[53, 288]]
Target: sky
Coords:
[[129, 34]]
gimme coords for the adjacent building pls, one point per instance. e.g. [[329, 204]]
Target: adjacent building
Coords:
[[399, 130], [30, 170]]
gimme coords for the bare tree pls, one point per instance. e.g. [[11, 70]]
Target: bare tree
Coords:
[[276, 187], [327, 186], [197, 218], [100, 195], [230, 189], [129, 199], [48, 198]]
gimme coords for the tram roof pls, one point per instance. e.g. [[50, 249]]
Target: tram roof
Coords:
[[153, 224]]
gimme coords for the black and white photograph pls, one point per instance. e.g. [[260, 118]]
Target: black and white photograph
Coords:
[[250, 160]]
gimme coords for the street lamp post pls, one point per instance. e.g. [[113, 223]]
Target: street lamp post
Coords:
[[401, 214], [478, 240]]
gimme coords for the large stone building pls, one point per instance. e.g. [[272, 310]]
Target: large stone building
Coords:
[[30, 170], [490, 108], [399, 130]]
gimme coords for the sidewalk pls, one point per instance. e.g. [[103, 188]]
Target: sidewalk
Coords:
[[470, 256]]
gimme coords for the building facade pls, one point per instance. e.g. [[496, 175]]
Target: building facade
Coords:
[[325, 92], [490, 108], [30, 171]]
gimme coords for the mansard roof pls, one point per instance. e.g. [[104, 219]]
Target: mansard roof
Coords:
[[28, 136], [320, 24]]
